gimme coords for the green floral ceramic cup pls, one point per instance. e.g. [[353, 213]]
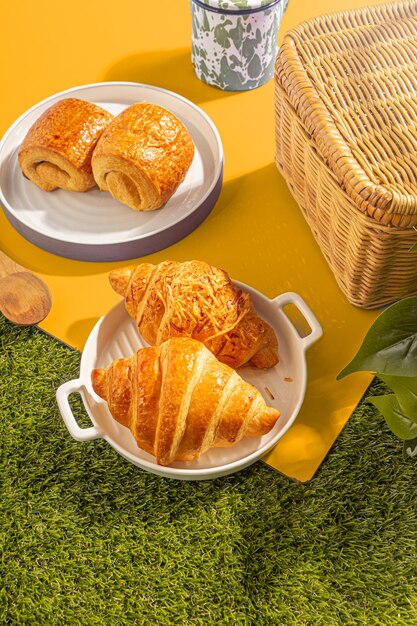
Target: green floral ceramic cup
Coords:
[[234, 42]]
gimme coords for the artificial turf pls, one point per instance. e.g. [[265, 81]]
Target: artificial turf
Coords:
[[87, 538]]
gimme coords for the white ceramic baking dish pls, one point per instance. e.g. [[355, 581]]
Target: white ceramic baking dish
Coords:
[[115, 335]]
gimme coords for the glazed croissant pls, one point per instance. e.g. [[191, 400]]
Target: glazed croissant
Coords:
[[179, 401], [57, 149], [195, 299], [143, 156]]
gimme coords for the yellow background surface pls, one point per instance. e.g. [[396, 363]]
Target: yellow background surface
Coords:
[[256, 231]]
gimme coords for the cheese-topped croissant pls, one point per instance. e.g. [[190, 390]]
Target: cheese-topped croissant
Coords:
[[195, 299], [179, 401]]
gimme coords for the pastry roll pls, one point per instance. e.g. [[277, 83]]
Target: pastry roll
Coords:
[[143, 156], [57, 149], [195, 299], [179, 401]]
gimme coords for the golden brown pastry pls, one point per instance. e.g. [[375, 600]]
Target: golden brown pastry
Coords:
[[143, 156], [195, 299], [57, 149], [179, 401]]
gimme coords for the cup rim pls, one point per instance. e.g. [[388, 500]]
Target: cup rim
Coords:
[[239, 7]]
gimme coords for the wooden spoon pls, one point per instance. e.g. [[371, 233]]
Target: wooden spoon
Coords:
[[24, 298]]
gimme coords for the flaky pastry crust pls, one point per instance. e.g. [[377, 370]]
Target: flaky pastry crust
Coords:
[[143, 156], [58, 147], [179, 401]]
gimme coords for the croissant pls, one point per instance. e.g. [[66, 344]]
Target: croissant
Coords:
[[57, 149], [179, 401], [195, 299], [143, 156]]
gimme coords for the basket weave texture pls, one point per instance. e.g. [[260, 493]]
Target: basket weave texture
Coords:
[[346, 143]]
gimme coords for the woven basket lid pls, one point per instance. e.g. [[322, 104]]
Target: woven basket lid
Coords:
[[352, 79]]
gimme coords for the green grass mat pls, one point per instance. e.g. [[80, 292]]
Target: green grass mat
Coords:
[[87, 538]]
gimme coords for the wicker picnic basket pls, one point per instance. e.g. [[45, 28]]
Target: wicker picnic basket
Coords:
[[346, 143]]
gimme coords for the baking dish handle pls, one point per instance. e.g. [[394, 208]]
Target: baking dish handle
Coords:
[[293, 298], [62, 393]]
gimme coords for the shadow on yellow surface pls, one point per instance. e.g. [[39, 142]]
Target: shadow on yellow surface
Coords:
[[79, 331], [170, 69], [268, 243]]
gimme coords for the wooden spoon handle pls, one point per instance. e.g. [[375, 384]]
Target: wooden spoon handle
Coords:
[[8, 266]]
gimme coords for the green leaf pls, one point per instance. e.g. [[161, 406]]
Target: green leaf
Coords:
[[400, 425], [410, 448], [390, 345], [405, 389]]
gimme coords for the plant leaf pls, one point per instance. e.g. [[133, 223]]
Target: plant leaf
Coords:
[[405, 389], [400, 425], [410, 448], [390, 345]]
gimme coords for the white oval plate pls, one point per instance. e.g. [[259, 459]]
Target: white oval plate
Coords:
[[92, 226], [115, 335]]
